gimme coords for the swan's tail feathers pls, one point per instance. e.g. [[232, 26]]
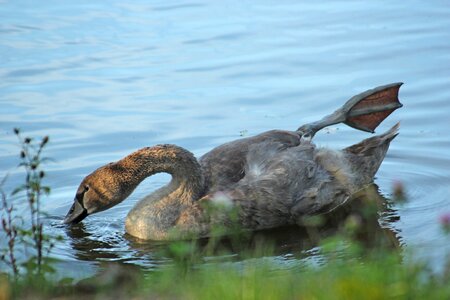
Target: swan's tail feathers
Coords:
[[366, 156], [367, 146]]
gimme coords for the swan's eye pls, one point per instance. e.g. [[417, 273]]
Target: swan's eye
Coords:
[[79, 196]]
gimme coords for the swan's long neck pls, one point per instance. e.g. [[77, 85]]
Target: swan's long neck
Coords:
[[155, 214], [187, 179]]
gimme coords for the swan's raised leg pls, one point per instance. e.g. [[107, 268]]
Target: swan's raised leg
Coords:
[[364, 111]]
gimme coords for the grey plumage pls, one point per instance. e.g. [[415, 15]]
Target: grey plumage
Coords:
[[271, 180], [284, 183]]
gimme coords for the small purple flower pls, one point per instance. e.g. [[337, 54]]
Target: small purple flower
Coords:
[[445, 222]]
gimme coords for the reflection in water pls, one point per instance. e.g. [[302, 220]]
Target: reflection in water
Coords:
[[91, 245], [363, 214], [372, 218], [86, 247]]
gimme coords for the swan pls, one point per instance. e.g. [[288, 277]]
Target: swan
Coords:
[[265, 181]]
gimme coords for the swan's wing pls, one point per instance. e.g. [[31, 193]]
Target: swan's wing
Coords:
[[275, 178], [225, 165], [261, 158], [282, 188]]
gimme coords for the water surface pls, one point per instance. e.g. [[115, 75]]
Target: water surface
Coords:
[[106, 79]]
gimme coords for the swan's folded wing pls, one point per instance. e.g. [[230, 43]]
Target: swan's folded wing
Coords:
[[225, 165]]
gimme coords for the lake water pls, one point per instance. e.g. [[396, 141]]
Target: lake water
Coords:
[[103, 80]]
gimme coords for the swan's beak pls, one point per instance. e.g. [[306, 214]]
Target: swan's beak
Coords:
[[76, 214]]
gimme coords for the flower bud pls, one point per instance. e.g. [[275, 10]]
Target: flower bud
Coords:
[[45, 140], [445, 222]]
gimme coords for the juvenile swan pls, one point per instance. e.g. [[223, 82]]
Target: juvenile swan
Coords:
[[271, 179]]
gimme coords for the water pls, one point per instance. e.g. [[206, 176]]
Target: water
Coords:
[[106, 79]]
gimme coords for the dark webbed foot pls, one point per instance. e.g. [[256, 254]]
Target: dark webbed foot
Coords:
[[364, 111]]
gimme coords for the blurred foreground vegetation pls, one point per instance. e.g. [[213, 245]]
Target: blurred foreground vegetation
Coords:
[[373, 277], [356, 258]]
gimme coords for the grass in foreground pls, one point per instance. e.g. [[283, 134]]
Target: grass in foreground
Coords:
[[377, 279], [368, 278]]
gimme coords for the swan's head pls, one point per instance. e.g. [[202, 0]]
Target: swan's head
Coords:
[[100, 190]]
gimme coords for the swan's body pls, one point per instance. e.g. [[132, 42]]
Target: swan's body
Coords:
[[269, 180], [275, 179]]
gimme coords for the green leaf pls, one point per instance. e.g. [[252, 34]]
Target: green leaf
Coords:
[[66, 281], [18, 189], [24, 232], [30, 265], [47, 268], [46, 190], [35, 186], [47, 159]]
